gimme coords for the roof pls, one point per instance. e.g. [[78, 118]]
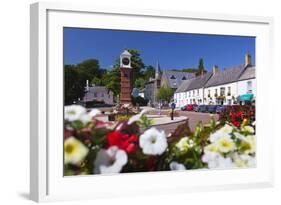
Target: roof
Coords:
[[199, 81], [175, 78], [99, 89], [249, 73], [225, 76], [126, 53], [184, 86]]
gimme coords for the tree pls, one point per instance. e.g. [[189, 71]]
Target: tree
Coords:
[[201, 70], [90, 68], [140, 83], [165, 94], [149, 72], [112, 80], [74, 84]]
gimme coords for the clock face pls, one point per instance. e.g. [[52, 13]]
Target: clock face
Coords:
[[125, 61]]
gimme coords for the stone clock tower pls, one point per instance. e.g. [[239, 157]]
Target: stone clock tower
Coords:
[[126, 78]]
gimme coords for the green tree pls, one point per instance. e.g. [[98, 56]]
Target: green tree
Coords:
[[112, 80], [165, 94], [140, 83], [74, 84], [201, 68], [149, 72], [90, 69]]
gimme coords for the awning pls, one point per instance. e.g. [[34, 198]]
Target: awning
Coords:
[[246, 97]]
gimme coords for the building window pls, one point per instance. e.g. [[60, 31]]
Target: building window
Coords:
[[209, 93], [198, 92], [193, 92], [172, 77], [183, 78], [249, 87], [222, 91], [216, 92], [229, 91]]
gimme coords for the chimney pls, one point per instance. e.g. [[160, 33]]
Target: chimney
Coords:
[[247, 59], [215, 69]]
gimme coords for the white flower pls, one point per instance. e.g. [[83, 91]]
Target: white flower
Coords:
[[110, 161], [153, 142], [224, 163], [183, 145], [210, 158], [250, 161], [218, 135], [73, 112], [85, 118], [226, 129], [177, 166], [239, 136], [225, 145], [250, 144], [74, 151], [94, 112], [249, 129], [137, 117]]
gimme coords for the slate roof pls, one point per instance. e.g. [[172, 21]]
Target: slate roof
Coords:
[[175, 78], [249, 73], [228, 75], [184, 86], [199, 81], [97, 89]]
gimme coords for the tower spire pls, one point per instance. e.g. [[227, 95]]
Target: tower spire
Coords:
[[157, 71]]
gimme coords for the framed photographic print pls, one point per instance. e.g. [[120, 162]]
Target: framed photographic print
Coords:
[[128, 102]]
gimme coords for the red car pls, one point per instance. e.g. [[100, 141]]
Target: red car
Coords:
[[190, 107]]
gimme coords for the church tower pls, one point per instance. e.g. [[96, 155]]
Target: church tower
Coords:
[[157, 71], [126, 78]]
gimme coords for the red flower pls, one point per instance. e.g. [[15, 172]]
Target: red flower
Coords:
[[235, 123], [125, 142]]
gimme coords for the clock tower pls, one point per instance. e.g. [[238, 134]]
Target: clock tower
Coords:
[[126, 78]]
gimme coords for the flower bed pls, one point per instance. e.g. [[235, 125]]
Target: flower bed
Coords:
[[95, 147]]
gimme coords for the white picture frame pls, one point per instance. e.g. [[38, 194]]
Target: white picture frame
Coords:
[[46, 139]]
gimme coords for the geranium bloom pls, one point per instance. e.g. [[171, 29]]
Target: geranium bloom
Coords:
[[153, 142], [122, 141], [177, 166], [73, 112], [74, 151], [110, 161]]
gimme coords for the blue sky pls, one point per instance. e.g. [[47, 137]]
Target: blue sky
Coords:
[[173, 50]]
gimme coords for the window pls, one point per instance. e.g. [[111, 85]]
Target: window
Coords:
[[183, 78], [216, 92], [95, 95], [172, 77], [193, 92], [198, 92], [209, 93], [229, 91], [249, 87], [222, 91]]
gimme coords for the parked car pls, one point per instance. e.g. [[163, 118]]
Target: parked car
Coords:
[[183, 108], [220, 108], [212, 108], [195, 107], [202, 108], [190, 107]]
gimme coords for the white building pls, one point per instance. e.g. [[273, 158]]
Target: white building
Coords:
[[226, 87], [247, 85]]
